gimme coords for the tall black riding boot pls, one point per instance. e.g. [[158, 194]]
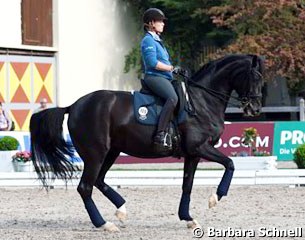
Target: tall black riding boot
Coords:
[[165, 117]]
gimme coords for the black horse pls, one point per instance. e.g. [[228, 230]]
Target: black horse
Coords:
[[102, 124]]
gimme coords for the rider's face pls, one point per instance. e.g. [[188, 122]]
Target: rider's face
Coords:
[[158, 26]]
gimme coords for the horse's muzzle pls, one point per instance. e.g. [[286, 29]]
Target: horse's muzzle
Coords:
[[252, 108], [251, 113]]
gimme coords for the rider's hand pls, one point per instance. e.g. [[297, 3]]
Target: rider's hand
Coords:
[[178, 70]]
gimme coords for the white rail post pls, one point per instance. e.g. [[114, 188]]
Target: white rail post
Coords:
[[302, 110]]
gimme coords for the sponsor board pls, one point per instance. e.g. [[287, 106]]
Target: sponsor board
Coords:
[[288, 136], [231, 139]]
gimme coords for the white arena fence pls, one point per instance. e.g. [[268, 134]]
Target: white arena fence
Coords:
[[125, 178]]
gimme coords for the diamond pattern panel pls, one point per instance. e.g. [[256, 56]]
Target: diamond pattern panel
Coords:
[[2, 82], [43, 82], [20, 82], [24, 80]]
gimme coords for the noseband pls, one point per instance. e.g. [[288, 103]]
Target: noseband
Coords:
[[246, 100]]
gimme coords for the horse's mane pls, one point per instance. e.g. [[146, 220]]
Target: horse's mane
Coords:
[[204, 70], [211, 66]]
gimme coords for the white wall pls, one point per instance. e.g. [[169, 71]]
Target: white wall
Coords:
[[91, 39], [92, 42], [10, 22]]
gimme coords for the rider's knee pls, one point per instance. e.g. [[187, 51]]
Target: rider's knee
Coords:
[[174, 100]]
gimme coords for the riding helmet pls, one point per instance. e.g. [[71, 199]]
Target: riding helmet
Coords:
[[153, 14]]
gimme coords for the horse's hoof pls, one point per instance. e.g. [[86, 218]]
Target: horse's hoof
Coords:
[[121, 213], [110, 227], [122, 216], [193, 224], [213, 200]]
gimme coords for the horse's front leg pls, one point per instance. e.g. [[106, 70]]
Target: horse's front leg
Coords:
[[210, 153], [190, 166]]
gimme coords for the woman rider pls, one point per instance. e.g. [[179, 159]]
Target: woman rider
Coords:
[[158, 70]]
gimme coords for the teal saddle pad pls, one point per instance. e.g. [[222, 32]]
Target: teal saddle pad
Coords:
[[147, 109]]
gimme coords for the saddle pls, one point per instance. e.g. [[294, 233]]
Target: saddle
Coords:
[[147, 109], [147, 106]]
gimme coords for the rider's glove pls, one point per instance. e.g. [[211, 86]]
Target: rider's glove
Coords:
[[178, 70]]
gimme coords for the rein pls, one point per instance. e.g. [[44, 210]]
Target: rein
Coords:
[[221, 96], [244, 100]]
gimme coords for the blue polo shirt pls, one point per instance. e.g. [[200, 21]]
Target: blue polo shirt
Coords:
[[153, 51]]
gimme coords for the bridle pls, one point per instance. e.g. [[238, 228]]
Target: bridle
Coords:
[[245, 100]]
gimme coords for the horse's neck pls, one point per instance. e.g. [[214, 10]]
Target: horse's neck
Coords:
[[215, 97]]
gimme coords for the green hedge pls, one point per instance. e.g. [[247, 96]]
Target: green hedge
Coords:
[[8, 144], [299, 156]]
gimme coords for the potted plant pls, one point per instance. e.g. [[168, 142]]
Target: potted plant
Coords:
[[22, 161], [8, 147], [249, 138], [253, 159], [299, 156]]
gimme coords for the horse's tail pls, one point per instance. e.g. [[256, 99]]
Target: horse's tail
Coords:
[[50, 151]]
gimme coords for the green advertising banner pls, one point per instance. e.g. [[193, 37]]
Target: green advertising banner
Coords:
[[287, 137]]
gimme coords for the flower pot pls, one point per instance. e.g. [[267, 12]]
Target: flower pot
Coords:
[[255, 163], [6, 161], [23, 167]]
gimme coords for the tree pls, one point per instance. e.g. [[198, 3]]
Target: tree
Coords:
[[274, 29]]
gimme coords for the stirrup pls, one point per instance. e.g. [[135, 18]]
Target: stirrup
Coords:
[[165, 142], [163, 139]]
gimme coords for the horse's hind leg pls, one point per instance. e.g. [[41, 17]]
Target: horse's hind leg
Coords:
[[108, 191], [93, 161]]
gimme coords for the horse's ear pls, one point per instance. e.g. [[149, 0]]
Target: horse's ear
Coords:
[[254, 61]]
